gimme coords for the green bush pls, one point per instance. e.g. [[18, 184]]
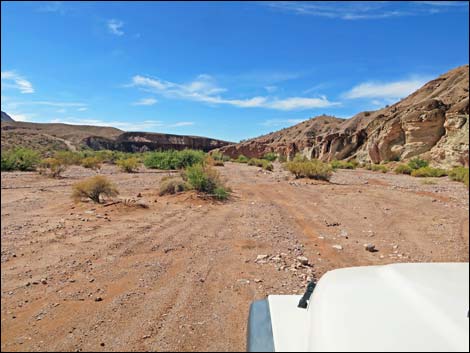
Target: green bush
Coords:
[[270, 156], [417, 163], [69, 157], [313, 169], [218, 156], [262, 163], [20, 158], [92, 188], [91, 163], [205, 179], [128, 165], [376, 167], [241, 159], [403, 169], [335, 164], [459, 174], [52, 167], [173, 159], [428, 172], [171, 185]]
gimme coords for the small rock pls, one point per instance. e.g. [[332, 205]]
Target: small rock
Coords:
[[370, 247], [261, 258], [98, 299], [257, 280], [43, 281], [303, 260], [337, 247]]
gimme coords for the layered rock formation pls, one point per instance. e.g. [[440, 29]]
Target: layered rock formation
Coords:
[[432, 122]]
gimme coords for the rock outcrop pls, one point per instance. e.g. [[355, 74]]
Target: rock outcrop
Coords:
[[432, 122], [6, 117]]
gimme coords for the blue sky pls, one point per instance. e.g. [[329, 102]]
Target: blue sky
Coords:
[[227, 70]]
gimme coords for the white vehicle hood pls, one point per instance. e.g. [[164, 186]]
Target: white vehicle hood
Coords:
[[399, 307]]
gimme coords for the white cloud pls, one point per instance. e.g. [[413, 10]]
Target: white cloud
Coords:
[[204, 89], [115, 27], [270, 89], [366, 10], [62, 110], [145, 101], [182, 123], [390, 90], [21, 116], [82, 109], [282, 122], [11, 79], [81, 106], [52, 6]]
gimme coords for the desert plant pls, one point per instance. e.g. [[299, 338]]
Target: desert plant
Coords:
[[173, 159], [313, 169], [52, 167], [205, 179], [459, 174], [403, 169], [93, 188], [262, 163], [428, 172], [23, 159], [335, 164], [241, 159], [417, 163], [218, 156], [128, 165], [91, 163], [376, 167], [270, 156], [68, 157], [171, 185]]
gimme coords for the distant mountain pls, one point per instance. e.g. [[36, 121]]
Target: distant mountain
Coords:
[[46, 137], [432, 122], [6, 117]]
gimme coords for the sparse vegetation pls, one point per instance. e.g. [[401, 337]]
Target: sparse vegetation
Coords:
[[22, 159], [270, 156], [335, 164], [313, 169], [206, 180], [91, 163], [459, 174], [128, 165], [403, 169], [171, 185], [94, 188], [172, 159], [241, 159], [376, 167], [428, 182], [417, 163], [262, 163], [52, 167], [217, 156], [428, 172]]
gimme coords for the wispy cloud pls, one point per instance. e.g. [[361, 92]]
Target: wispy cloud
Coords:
[[182, 123], [386, 90], [365, 10], [52, 6], [204, 89], [270, 89], [82, 109], [145, 101], [281, 122], [115, 27], [10, 79]]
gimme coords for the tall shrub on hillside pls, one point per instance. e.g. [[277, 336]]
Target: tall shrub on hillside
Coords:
[[23, 159]]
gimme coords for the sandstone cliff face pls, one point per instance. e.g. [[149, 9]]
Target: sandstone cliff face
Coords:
[[431, 122]]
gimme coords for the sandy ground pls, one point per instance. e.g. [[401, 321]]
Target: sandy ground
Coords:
[[181, 274]]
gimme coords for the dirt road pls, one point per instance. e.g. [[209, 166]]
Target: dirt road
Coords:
[[180, 275]]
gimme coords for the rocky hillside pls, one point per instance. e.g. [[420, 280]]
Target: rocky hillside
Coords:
[[431, 122], [6, 117], [45, 137]]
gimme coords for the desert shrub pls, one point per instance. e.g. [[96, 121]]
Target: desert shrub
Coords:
[[313, 169], [335, 164], [428, 182], [300, 158], [205, 179], [173, 159], [171, 185], [93, 188], [417, 163], [128, 165], [241, 159], [23, 159], [459, 174], [218, 156], [282, 158], [403, 169], [91, 163], [213, 162], [428, 172], [52, 167], [262, 163], [68, 157], [270, 156], [376, 167]]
